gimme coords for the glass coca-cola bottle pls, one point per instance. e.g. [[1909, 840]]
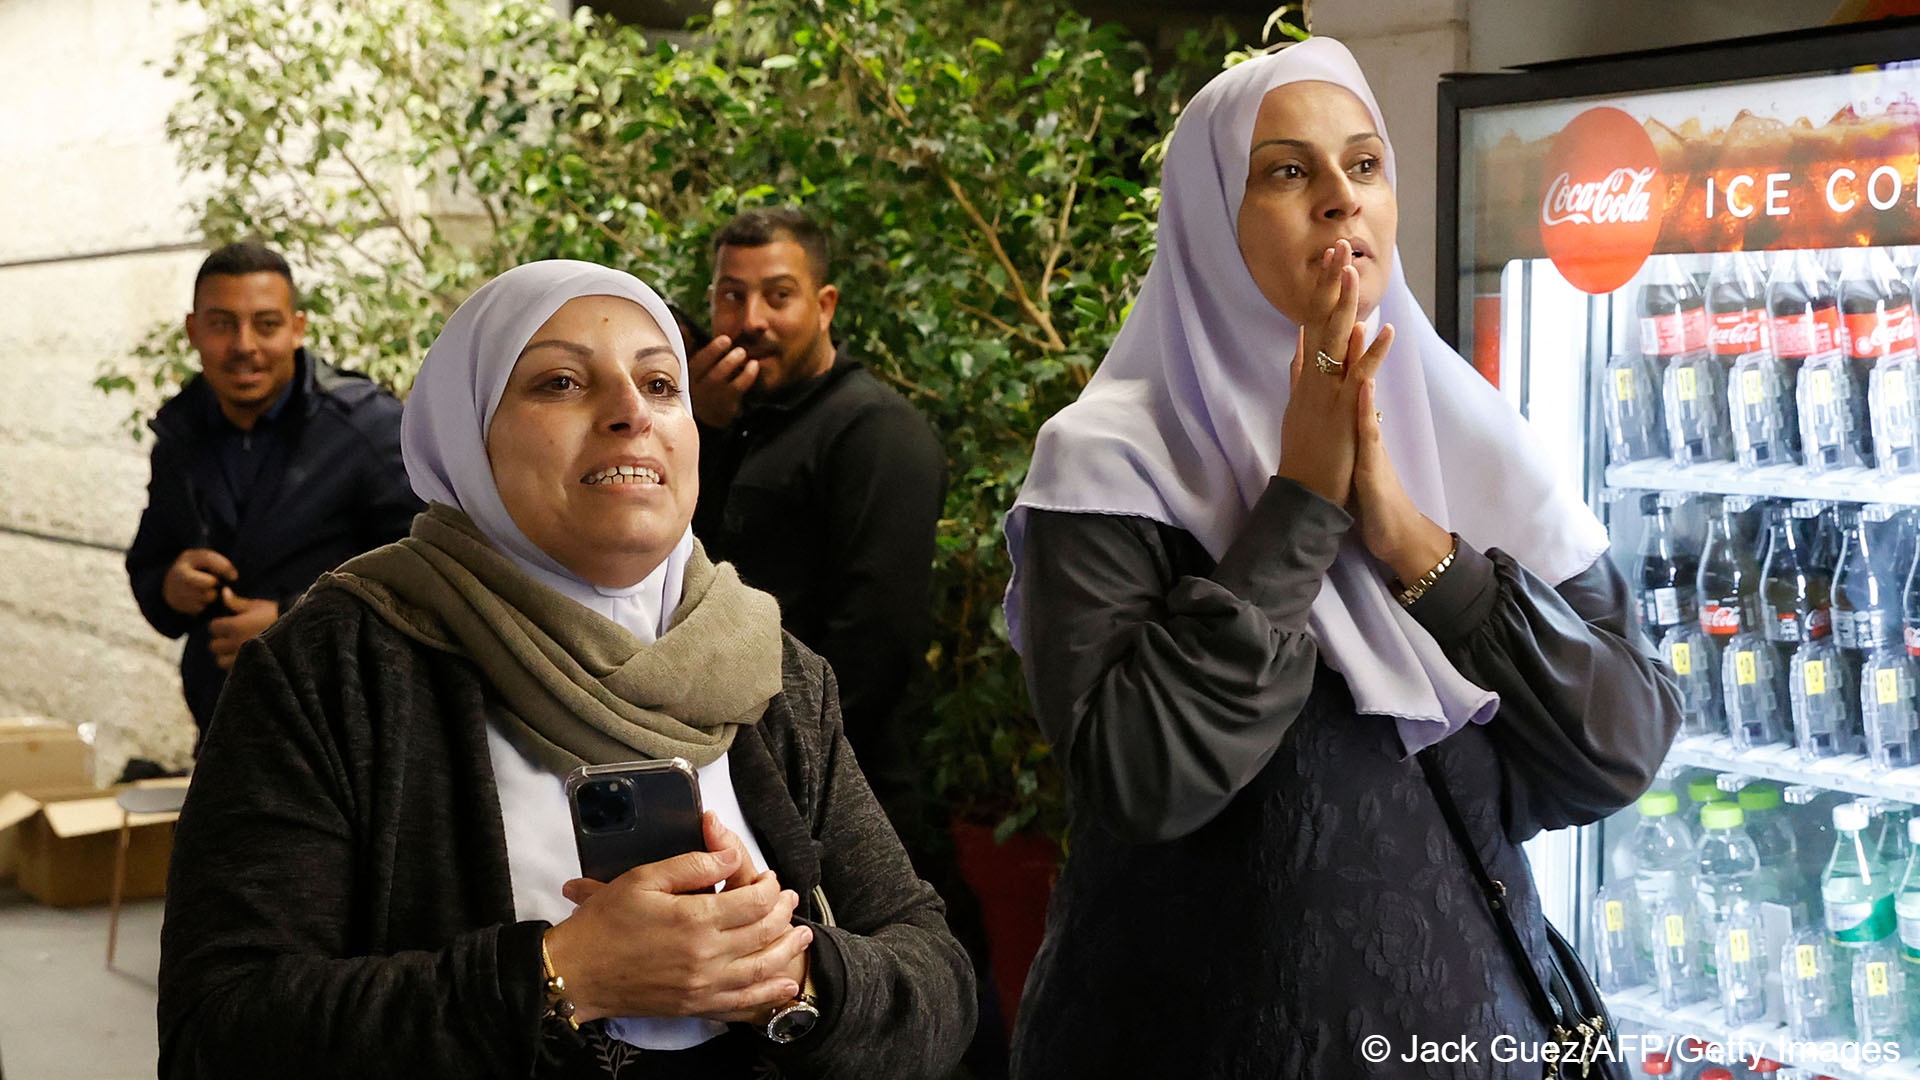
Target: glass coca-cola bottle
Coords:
[[1631, 404], [1729, 577], [1788, 600], [1759, 397], [1666, 572], [1877, 307], [1673, 312], [1866, 589]]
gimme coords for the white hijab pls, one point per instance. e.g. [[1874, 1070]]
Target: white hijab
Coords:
[[443, 431], [1181, 424]]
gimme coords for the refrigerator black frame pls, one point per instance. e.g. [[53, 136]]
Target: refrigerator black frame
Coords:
[[1832, 50]]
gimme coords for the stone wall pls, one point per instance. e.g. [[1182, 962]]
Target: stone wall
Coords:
[[94, 248]]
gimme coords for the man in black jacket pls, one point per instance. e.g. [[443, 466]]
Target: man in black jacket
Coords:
[[821, 484], [269, 469]]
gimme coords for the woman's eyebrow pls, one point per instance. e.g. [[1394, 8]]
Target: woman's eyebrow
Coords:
[[1302, 144], [573, 347]]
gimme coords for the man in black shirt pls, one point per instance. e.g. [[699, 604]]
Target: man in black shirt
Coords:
[[269, 469], [821, 484]]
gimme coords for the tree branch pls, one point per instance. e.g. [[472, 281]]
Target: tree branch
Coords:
[[392, 218], [1066, 207]]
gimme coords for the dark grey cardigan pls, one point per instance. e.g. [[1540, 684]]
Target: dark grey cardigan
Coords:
[[1259, 878], [339, 903]]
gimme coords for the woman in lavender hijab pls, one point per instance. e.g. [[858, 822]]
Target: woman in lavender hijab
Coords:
[[1285, 540], [375, 873]]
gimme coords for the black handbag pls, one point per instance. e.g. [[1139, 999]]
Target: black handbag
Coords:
[[1570, 1006]]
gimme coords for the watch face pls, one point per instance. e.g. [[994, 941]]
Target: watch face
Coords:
[[792, 1022]]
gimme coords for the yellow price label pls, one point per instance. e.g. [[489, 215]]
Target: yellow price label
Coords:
[[1895, 385], [1616, 916], [1686, 384], [1682, 658], [1877, 979], [1821, 388], [1750, 386], [1676, 930], [1744, 669], [1740, 945], [1806, 961], [1816, 677], [1623, 385], [1886, 686]]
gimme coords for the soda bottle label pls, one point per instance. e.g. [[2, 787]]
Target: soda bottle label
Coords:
[[1663, 335], [1881, 333], [1685, 381], [1743, 668], [1869, 632], [1806, 961], [1886, 687], [1912, 636], [1809, 333], [1845, 629], [1786, 627], [1735, 332], [1665, 606], [1682, 658], [1819, 624], [1910, 933], [1721, 620], [1816, 676], [1860, 922], [1616, 916], [1877, 979]]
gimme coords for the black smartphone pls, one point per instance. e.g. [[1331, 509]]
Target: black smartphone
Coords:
[[633, 813]]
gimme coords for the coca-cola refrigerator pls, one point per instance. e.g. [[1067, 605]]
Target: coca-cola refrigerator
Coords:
[[1693, 270]]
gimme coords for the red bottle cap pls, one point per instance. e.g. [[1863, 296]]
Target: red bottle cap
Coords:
[[1716, 1074], [1763, 1065], [1657, 1065]]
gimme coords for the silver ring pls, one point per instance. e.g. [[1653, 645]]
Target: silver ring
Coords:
[[1327, 364], [1379, 416]]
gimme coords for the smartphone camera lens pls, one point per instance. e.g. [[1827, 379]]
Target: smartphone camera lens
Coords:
[[606, 806]]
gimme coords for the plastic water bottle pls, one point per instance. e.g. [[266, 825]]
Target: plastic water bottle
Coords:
[[1880, 994], [1856, 890], [1779, 852], [1728, 869], [1620, 939], [1740, 957], [1906, 900], [1676, 953], [1663, 854], [1813, 1005]]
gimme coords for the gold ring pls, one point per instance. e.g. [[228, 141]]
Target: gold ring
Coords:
[[1327, 364]]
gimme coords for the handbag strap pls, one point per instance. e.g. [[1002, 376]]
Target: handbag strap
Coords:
[[1495, 892]]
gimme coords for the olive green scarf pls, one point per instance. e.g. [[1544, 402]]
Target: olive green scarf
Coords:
[[579, 687]]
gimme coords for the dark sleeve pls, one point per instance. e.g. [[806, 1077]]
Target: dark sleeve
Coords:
[[1164, 695], [896, 989], [388, 503], [885, 479], [1586, 713], [157, 543], [258, 972]]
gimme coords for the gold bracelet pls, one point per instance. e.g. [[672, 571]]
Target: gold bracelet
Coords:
[[559, 1005], [1410, 593]]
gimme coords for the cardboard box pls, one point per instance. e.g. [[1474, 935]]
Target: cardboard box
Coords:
[[67, 841], [39, 755]]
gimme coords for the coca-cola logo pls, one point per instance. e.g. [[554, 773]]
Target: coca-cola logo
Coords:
[[1738, 332], [1621, 197], [1719, 620], [1600, 213]]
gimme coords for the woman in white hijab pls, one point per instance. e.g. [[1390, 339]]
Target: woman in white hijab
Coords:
[[1248, 591], [375, 873]]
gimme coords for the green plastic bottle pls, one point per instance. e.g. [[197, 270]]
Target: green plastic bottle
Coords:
[[1856, 890]]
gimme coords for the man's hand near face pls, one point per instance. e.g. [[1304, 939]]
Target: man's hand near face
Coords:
[[249, 619], [722, 375]]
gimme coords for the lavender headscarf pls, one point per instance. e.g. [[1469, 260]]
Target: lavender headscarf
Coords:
[[443, 431], [1181, 424]]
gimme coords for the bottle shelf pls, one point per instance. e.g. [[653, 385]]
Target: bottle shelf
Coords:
[[1704, 1020], [1851, 773], [1856, 485]]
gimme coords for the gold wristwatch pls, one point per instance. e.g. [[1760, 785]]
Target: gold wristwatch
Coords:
[[792, 1021]]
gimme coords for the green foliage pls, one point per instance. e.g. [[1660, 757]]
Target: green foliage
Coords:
[[983, 167]]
